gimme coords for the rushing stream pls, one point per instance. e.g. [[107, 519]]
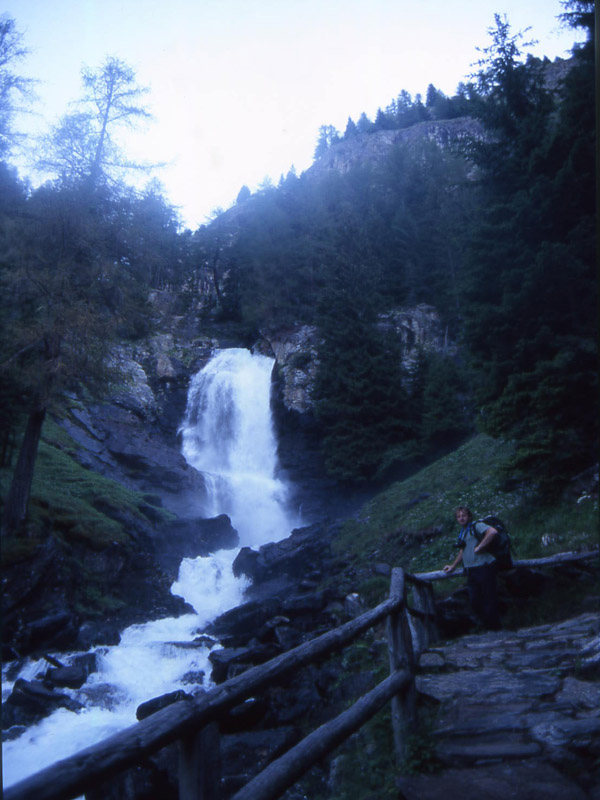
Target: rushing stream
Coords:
[[228, 436]]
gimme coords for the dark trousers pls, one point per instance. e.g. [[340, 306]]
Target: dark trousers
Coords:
[[481, 582]]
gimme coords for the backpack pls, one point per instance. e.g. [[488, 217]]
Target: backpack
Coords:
[[499, 546]]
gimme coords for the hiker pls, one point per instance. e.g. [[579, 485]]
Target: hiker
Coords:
[[473, 540]]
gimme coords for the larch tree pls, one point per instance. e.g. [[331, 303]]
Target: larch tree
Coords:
[[15, 89], [83, 145], [65, 271], [60, 298]]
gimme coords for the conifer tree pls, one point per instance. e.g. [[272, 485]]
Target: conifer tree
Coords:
[[15, 90], [351, 129], [360, 394], [83, 145], [530, 316], [67, 276]]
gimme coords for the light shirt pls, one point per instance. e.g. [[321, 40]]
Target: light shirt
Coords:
[[470, 557]]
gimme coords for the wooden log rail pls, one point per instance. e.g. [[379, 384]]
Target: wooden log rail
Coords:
[[193, 722], [531, 563], [186, 720]]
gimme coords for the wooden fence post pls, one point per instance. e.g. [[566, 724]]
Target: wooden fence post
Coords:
[[425, 627], [401, 657], [200, 765]]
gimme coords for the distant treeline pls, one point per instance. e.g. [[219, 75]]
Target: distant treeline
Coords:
[[497, 234]]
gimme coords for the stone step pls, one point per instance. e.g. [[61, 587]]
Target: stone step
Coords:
[[513, 780], [480, 749]]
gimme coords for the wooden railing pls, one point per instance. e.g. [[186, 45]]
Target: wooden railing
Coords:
[[193, 723], [530, 563]]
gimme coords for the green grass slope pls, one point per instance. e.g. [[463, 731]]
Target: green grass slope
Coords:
[[72, 502], [411, 524], [83, 532]]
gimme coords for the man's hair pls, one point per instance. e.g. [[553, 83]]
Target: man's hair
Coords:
[[464, 508]]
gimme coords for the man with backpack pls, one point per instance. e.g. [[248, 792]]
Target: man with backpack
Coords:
[[474, 543]]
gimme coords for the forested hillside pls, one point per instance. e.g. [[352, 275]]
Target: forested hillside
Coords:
[[495, 229]]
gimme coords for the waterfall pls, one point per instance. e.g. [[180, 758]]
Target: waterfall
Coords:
[[227, 435]]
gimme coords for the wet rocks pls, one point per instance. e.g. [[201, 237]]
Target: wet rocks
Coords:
[[30, 701], [242, 622], [289, 557], [285, 605], [230, 661], [157, 703], [189, 538], [48, 596], [58, 629], [74, 675]]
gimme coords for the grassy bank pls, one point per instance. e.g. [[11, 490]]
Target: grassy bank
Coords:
[[411, 524], [72, 502]]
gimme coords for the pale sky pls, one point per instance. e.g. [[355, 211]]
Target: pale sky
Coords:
[[239, 88]]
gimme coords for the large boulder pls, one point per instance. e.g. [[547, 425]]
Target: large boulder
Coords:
[[189, 538], [73, 675], [31, 701], [289, 557], [243, 622]]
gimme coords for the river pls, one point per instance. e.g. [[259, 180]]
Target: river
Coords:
[[228, 435]]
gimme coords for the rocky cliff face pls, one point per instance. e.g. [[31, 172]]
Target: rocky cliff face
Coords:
[[418, 329], [368, 148]]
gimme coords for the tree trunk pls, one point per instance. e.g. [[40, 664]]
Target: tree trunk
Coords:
[[15, 509]]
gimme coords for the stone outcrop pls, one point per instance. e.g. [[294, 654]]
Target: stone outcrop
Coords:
[[295, 352], [189, 538], [133, 436], [29, 702], [117, 442], [369, 148], [418, 328]]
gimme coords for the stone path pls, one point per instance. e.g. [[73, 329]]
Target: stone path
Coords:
[[518, 715]]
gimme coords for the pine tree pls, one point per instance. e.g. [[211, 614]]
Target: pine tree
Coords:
[[530, 315], [360, 394], [351, 129]]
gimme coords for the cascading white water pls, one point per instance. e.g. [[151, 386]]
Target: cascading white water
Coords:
[[228, 435]]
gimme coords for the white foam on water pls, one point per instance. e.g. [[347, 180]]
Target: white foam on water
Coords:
[[228, 435]]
